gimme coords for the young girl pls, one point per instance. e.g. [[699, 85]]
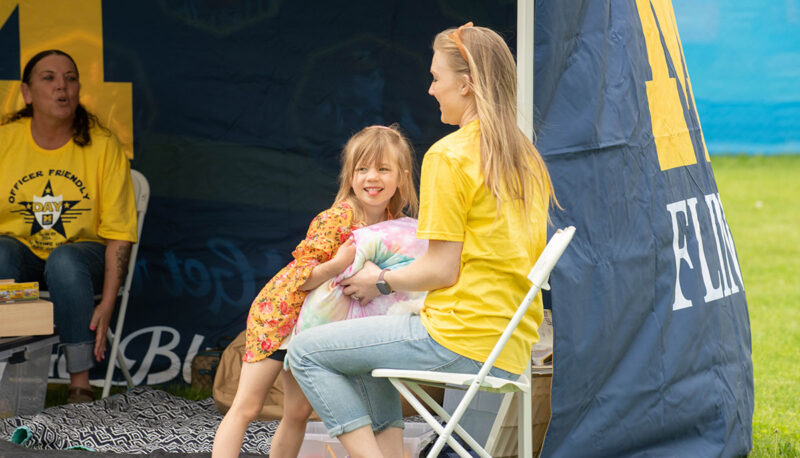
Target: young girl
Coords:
[[375, 184]]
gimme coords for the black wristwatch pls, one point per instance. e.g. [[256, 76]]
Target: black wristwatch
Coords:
[[381, 284]]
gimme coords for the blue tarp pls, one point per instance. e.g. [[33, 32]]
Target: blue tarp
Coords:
[[745, 63]]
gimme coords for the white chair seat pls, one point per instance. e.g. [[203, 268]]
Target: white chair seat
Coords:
[[454, 380]]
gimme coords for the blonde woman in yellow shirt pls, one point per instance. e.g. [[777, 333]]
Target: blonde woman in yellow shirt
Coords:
[[484, 199]]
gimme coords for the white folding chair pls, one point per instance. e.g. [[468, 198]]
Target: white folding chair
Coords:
[[141, 191], [407, 381]]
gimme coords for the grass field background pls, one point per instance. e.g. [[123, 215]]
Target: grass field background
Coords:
[[761, 199]]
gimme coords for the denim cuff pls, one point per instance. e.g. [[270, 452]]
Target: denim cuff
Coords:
[[394, 424], [351, 426], [79, 356]]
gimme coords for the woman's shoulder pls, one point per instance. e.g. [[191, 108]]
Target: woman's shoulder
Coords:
[[463, 143], [104, 135], [15, 127]]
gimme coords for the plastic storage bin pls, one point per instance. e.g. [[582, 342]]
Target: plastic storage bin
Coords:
[[318, 444], [23, 374]]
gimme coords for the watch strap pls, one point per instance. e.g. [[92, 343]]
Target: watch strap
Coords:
[[384, 282]]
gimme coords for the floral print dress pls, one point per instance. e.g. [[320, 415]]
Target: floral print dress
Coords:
[[274, 311]]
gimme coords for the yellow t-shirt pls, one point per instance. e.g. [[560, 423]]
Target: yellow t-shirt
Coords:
[[70, 194], [497, 256]]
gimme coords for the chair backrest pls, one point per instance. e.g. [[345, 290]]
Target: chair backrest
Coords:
[[141, 193], [538, 277]]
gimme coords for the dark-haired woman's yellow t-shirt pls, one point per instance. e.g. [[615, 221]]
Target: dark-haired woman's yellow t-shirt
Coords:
[[497, 255]]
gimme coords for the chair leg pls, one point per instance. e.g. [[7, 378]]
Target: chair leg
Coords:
[[404, 391], [525, 425], [453, 423], [112, 359], [123, 366], [116, 356], [462, 433], [507, 407]]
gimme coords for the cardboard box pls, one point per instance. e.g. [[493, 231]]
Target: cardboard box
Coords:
[[24, 362], [26, 318]]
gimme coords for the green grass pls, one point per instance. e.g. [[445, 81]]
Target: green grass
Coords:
[[761, 198], [57, 393]]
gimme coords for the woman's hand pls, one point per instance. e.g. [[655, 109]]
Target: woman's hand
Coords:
[[99, 324], [345, 255], [361, 286]]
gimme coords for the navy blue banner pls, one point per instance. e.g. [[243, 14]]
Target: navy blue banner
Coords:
[[652, 338]]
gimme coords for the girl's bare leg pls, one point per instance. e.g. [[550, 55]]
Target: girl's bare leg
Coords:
[[289, 437], [255, 381], [390, 441], [364, 443], [361, 443]]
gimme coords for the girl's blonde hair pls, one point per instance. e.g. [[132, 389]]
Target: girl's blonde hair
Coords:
[[373, 145], [512, 167]]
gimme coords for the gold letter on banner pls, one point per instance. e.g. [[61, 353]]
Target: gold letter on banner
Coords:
[[671, 134], [75, 27]]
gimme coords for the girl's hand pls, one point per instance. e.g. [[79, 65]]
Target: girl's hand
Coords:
[[361, 286], [345, 255]]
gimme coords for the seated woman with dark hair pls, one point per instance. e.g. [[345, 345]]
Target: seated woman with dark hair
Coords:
[[69, 217]]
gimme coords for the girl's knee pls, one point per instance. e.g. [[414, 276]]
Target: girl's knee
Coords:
[[298, 409], [245, 410]]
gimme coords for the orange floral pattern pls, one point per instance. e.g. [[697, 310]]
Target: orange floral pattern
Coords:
[[274, 311]]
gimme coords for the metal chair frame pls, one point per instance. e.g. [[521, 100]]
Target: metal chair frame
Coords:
[[141, 191], [407, 382]]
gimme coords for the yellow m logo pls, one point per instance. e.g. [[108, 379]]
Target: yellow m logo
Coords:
[[75, 27], [671, 133]]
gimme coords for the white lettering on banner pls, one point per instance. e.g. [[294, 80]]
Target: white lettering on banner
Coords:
[[714, 204], [187, 362], [681, 253], [155, 349], [712, 293], [728, 271]]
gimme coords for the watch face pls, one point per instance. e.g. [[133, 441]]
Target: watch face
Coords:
[[383, 287]]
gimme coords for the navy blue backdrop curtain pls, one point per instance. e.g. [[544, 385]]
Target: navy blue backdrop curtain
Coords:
[[240, 113]]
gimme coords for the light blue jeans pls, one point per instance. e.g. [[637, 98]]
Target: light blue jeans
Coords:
[[332, 363], [73, 274]]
